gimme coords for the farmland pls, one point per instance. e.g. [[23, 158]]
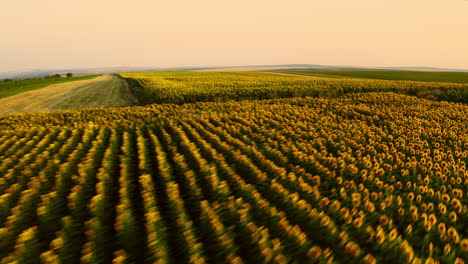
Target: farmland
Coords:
[[102, 91], [241, 168], [190, 87], [10, 88], [448, 77]]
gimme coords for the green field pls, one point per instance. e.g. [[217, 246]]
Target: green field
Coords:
[[448, 77], [20, 86]]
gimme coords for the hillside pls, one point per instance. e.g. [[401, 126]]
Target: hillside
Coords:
[[103, 91], [10, 88]]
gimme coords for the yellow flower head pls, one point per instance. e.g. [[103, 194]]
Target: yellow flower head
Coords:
[[315, 252], [383, 220], [453, 216], [443, 237], [430, 207], [401, 211], [446, 198], [369, 259], [409, 229], [393, 234], [441, 227], [455, 238], [352, 249], [452, 231], [370, 231], [380, 237], [357, 222], [447, 249], [427, 226], [432, 219], [464, 244]]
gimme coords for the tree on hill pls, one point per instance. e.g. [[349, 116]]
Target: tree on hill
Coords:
[[69, 75]]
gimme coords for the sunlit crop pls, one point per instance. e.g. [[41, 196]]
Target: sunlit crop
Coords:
[[366, 178], [190, 87]]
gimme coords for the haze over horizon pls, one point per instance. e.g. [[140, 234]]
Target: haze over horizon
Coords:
[[54, 34]]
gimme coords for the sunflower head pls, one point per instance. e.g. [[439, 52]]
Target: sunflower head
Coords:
[[369, 259], [464, 244], [447, 249], [393, 234], [315, 252], [441, 227], [453, 216]]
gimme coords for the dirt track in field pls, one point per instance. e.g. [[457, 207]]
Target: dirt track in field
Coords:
[[103, 91]]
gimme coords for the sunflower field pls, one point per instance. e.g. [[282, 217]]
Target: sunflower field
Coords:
[[191, 87], [363, 178]]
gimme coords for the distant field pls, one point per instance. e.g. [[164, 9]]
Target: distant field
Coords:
[[21, 86], [449, 77], [103, 91], [189, 87], [245, 69]]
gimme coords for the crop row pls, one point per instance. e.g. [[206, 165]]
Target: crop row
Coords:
[[318, 180]]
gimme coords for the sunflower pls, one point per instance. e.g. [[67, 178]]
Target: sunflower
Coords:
[[315, 252], [464, 244], [383, 220], [393, 234], [424, 207], [455, 238], [407, 250], [418, 198], [441, 227], [453, 216], [415, 217], [447, 249], [451, 231], [456, 203], [427, 226], [424, 217], [370, 231], [357, 222], [409, 229], [352, 249], [401, 211], [442, 208], [432, 219], [445, 197], [343, 237], [369, 259], [443, 237], [380, 237]]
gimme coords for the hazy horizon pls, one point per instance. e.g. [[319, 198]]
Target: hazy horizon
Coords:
[[54, 34]]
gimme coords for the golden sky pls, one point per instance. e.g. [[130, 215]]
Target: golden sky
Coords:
[[103, 33]]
